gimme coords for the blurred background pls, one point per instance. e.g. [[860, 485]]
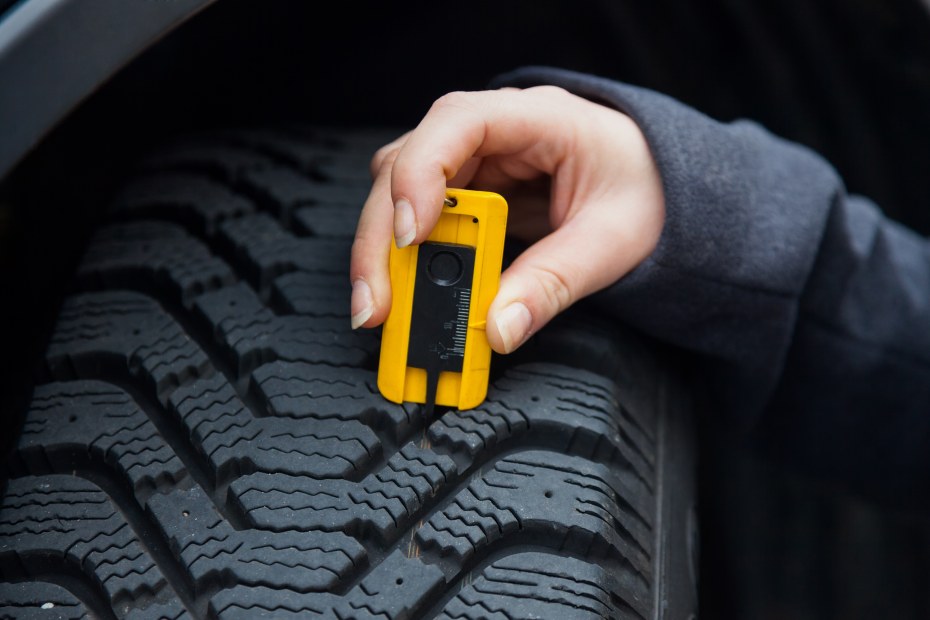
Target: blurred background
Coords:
[[849, 78]]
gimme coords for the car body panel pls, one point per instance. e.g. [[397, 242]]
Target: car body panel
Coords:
[[54, 53]]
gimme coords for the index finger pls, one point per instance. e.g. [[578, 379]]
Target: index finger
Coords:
[[526, 125]]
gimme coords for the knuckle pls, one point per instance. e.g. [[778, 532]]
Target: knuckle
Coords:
[[359, 264], [362, 244], [384, 156], [548, 90], [454, 99], [556, 289], [356, 262]]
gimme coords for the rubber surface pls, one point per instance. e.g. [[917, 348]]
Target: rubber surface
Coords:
[[208, 439]]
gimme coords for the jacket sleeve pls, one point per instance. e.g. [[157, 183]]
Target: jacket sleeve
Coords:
[[808, 309]]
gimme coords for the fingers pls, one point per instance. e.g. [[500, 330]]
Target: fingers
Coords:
[[607, 208], [410, 176], [369, 268], [604, 199], [462, 126], [588, 253]]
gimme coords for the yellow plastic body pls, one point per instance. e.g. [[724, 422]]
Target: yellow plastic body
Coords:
[[479, 219]]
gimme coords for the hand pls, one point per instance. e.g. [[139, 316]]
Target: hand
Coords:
[[578, 177]]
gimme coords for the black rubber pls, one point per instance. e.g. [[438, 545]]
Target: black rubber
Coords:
[[208, 440]]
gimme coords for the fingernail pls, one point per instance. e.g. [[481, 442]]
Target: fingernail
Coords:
[[513, 323], [362, 303], [405, 223]]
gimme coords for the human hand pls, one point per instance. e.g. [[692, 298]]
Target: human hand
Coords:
[[579, 179]]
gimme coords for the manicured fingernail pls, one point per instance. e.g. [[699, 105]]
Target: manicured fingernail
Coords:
[[363, 303], [405, 223], [513, 323]]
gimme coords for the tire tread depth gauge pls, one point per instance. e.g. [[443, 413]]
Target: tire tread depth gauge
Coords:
[[434, 348]]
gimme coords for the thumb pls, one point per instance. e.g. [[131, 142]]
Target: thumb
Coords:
[[587, 253]]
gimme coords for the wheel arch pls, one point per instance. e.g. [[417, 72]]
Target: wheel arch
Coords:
[[78, 45]]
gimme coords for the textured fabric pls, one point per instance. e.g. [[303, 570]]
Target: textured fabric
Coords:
[[809, 310]]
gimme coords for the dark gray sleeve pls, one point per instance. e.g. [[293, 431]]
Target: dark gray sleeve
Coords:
[[808, 309]]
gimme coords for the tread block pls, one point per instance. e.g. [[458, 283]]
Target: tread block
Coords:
[[352, 152], [396, 589], [384, 502], [59, 523], [575, 387], [319, 391], [190, 198], [217, 556], [311, 151], [283, 190], [472, 434], [123, 331], [541, 585], [159, 254], [312, 294], [264, 250], [563, 416], [565, 501], [253, 335], [234, 441], [71, 422]]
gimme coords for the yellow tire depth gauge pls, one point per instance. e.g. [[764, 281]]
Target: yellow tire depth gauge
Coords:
[[434, 348]]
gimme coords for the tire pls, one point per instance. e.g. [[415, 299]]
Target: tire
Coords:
[[206, 438]]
